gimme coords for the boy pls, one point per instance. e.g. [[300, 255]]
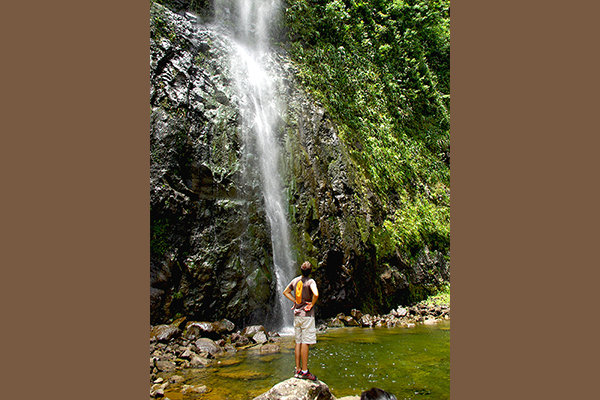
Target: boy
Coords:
[[305, 296]]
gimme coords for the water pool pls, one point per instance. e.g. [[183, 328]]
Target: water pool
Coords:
[[412, 363]]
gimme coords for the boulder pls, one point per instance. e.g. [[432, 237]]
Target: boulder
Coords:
[[349, 321], [251, 330], [176, 379], [199, 362], [179, 323], [187, 354], [229, 347], [367, 320], [195, 330], [298, 389], [205, 344], [260, 337], [224, 326], [156, 393], [400, 312], [239, 340], [164, 333], [165, 366]]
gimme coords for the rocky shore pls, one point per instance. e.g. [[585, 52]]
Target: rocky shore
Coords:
[[186, 344]]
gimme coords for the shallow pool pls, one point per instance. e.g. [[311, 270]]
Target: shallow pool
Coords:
[[412, 363]]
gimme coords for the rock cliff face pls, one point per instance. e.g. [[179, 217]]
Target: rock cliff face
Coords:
[[211, 254]]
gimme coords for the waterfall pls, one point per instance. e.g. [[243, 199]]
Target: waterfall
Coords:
[[249, 22]]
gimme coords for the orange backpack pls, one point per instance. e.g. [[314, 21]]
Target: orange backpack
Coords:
[[299, 286]]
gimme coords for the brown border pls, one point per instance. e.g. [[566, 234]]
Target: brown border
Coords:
[[75, 199], [524, 100]]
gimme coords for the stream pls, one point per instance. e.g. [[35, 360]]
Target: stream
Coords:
[[411, 363]]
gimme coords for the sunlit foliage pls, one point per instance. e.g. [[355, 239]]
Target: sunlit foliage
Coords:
[[382, 70]]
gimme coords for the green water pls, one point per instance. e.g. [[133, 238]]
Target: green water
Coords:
[[412, 363]]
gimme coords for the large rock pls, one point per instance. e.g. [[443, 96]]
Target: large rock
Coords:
[[239, 340], [195, 330], [164, 333], [176, 379], [298, 389], [166, 366], [252, 330], [399, 312], [260, 338], [180, 323], [208, 345], [197, 361], [224, 326], [367, 320], [212, 330]]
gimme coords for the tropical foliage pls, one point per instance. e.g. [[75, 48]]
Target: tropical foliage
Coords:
[[382, 70]]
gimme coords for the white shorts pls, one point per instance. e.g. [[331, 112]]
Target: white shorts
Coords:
[[304, 328]]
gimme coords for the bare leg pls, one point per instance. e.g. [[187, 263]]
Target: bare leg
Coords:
[[297, 354], [304, 356]]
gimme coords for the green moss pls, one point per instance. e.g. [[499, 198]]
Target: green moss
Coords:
[[381, 69], [308, 244], [159, 230]]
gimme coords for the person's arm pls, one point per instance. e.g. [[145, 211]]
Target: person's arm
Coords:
[[315, 297], [288, 293]]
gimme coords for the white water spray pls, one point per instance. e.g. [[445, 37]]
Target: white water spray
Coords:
[[259, 105]]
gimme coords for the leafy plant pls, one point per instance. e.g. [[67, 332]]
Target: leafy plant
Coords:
[[382, 70], [440, 298]]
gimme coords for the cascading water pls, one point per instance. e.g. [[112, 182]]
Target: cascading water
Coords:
[[249, 22]]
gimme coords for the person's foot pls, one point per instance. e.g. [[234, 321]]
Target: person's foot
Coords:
[[297, 372], [307, 375]]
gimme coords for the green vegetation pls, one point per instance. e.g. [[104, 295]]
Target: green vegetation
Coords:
[[159, 28], [177, 296], [159, 230], [442, 297], [382, 70]]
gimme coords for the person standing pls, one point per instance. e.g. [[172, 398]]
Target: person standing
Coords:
[[303, 291]]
